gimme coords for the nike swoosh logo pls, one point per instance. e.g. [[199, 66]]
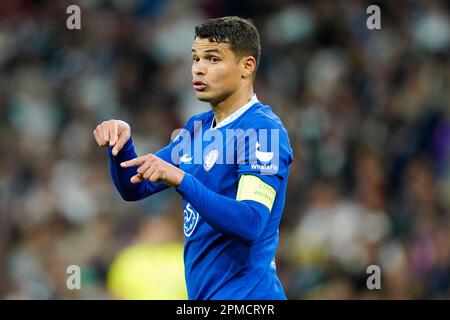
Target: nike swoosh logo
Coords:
[[185, 158]]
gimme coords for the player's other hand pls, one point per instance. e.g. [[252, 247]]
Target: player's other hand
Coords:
[[153, 168], [112, 133]]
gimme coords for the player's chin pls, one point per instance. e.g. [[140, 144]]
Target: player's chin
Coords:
[[203, 96]]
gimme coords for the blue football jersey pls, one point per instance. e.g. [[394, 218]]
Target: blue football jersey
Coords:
[[233, 190], [253, 143]]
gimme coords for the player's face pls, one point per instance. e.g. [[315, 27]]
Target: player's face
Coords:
[[216, 72]]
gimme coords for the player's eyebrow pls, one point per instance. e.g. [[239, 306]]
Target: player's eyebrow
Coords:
[[209, 51]]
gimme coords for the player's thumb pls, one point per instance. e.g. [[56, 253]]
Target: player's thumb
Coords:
[[113, 140], [114, 135], [122, 139]]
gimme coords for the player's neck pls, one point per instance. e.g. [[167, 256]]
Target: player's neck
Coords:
[[228, 106]]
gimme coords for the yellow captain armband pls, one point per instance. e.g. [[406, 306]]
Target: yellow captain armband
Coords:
[[253, 188]]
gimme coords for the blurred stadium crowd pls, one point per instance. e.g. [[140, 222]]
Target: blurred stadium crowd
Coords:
[[368, 113]]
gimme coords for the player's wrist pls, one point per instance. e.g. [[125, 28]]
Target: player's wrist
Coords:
[[180, 174], [184, 184]]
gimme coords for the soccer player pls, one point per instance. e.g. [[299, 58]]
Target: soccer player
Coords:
[[233, 191]]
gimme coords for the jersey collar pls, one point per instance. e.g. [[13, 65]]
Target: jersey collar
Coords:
[[235, 114]]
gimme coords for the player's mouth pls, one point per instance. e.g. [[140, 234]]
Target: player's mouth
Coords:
[[198, 85]]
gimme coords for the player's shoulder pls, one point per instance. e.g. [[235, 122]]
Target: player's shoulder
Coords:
[[202, 116], [263, 117]]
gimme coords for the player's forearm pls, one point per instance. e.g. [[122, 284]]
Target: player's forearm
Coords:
[[244, 220], [121, 176]]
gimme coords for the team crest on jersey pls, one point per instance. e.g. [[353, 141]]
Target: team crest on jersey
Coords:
[[190, 220], [210, 159]]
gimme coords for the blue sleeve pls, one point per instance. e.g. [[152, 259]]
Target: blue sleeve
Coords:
[[243, 220], [267, 154], [121, 176]]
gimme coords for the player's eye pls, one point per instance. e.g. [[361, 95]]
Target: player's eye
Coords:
[[214, 59], [196, 59]]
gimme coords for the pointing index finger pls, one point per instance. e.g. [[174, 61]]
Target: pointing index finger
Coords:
[[133, 162]]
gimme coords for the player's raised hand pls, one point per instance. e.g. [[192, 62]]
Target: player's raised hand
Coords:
[[113, 133], [154, 169]]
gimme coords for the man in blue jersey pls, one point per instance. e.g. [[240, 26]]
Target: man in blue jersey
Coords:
[[229, 164]]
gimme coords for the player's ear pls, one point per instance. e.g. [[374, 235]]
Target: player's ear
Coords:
[[248, 66]]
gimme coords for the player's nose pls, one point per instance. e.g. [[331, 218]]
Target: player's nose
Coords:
[[199, 68]]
